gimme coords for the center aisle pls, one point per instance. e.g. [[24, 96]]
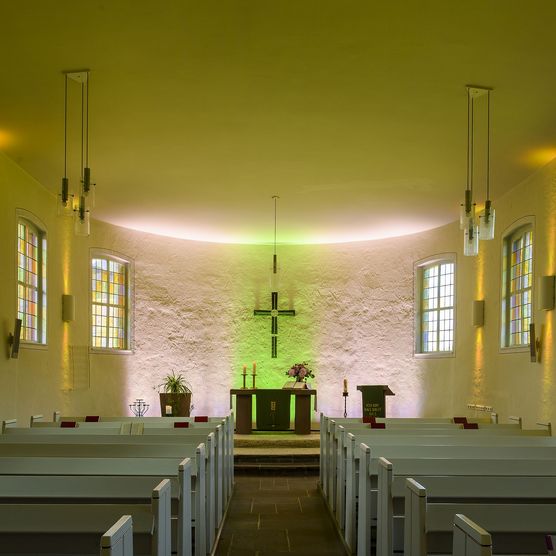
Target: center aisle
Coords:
[[278, 514]]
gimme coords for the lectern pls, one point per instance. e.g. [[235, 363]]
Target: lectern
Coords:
[[374, 399]]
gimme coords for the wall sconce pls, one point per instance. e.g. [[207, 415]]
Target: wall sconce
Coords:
[[13, 339], [478, 313], [546, 293], [535, 345], [68, 308]]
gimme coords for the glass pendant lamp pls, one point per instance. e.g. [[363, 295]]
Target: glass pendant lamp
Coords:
[[471, 240]]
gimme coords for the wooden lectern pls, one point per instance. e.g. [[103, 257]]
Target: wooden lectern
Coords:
[[374, 399]]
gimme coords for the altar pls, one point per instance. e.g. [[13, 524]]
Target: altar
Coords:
[[273, 409]]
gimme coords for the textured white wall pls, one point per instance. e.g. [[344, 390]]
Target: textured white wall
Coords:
[[355, 315]]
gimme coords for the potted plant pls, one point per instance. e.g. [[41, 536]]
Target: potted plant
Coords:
[[175, 400]]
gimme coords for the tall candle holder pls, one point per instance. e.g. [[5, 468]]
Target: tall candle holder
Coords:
[[139, 407], [345, 394], [244, 387], [254, 378]]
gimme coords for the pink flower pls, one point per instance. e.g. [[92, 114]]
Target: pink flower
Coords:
[[291, 372], [302, 372]]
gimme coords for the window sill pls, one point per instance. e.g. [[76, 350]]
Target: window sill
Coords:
[[435, 355], [515, 349], [32, 345], [108, 351]]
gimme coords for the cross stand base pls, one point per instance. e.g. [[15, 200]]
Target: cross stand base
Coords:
[[345, 395]]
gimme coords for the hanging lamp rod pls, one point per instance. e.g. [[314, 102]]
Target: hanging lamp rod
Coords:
[[274, 258]]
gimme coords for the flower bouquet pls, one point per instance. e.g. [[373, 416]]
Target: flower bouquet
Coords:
[[301, 372]]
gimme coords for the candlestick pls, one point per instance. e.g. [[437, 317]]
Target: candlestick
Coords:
[[254, 368], [345, 395], [254, 377]]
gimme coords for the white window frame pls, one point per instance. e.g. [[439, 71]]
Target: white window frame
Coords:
[[96, 253], [516, 230], [419, 267], [37, 226]]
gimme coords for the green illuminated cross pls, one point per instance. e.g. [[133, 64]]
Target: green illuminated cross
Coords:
[[274, 313]]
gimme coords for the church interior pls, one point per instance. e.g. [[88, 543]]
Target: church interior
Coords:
[[343, 155]]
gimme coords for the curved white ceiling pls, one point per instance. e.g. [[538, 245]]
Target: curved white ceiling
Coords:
[[353, 112]]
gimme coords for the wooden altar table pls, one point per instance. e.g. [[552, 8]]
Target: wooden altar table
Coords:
[[244, 409]]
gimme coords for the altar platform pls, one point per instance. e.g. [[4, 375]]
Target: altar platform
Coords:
[[277, 451]]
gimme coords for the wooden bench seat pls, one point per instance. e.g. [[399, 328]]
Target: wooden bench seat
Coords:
[[70, 528], [475, 485], [515, 528], [132, 472], [218, 475]]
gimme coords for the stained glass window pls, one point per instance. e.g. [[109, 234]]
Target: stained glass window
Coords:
[[518, 273], [31, 282], [437, 307], [110, 303]]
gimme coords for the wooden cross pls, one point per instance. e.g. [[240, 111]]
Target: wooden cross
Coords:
[[274, 313]]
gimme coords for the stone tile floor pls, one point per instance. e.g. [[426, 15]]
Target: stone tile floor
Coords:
[[278, 514]]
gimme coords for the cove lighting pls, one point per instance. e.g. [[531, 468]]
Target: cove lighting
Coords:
[[316, 238]]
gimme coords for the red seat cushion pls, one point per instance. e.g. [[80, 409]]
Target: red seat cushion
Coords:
[[369, 419], [378, 425], [92, 419], [470, 426], [460, 420], [181, 425], [68, 424], [201, 419]]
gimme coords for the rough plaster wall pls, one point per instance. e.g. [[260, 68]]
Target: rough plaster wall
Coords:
[[193, 313]]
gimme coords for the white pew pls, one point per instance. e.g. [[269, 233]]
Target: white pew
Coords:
[[57, 528], [118, 540], [332, 428], [21, 477], [518, 528], [143, 425], [362, 471], [219, 474], [477, 482], [342, 465], [469, 538]]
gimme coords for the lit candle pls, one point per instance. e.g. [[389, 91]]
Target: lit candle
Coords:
[[244, 369], [254, 367], [168, 410], [345, 386]]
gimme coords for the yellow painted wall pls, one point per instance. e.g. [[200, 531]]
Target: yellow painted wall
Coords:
[[355, 302]]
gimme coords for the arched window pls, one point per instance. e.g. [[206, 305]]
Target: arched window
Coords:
[[435, 305], [31, 281], [110, 302], [517, 286]]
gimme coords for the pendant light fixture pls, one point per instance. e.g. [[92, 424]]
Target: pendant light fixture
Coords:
[[80, 212], [275, 274], [482, 227], [487, 217], [467, 215], [65, 199]]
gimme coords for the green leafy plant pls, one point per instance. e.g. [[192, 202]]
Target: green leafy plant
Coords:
[[175, 384]]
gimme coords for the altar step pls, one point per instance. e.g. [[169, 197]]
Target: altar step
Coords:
[[273, 452], [284, 459]]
